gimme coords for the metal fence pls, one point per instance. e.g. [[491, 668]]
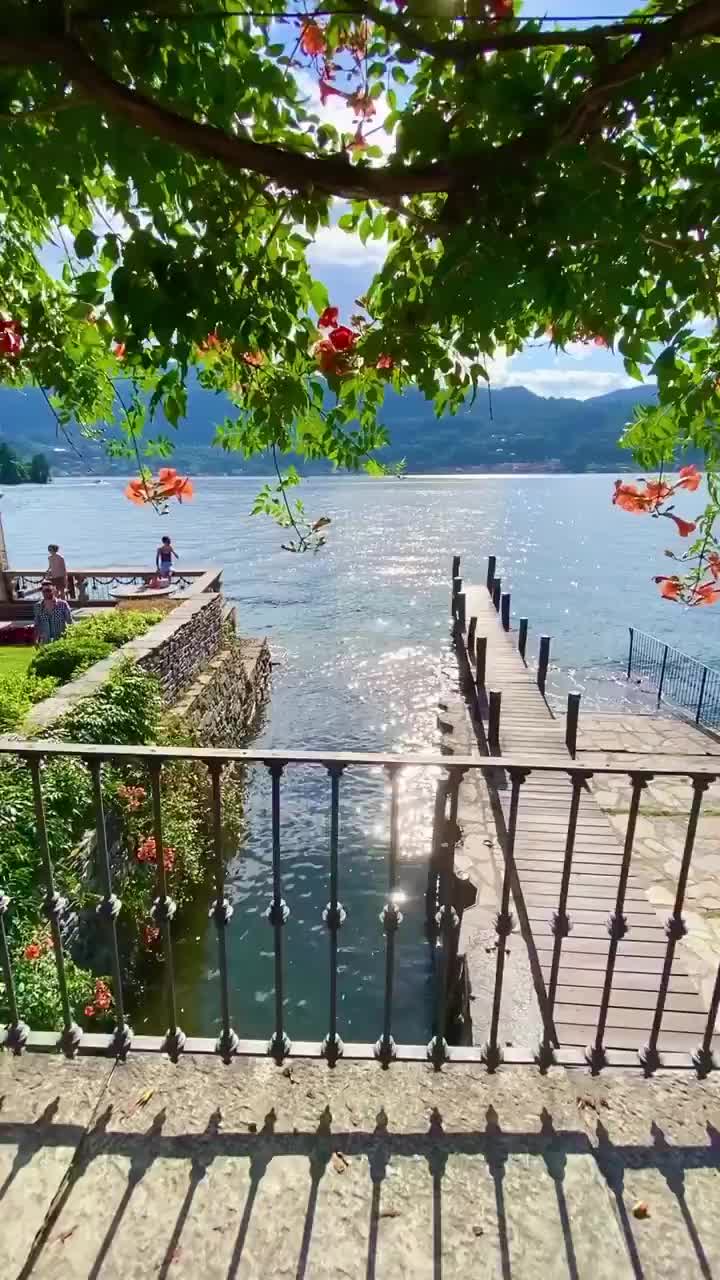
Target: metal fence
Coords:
[[514, 772], [682, 681], [100, 586]]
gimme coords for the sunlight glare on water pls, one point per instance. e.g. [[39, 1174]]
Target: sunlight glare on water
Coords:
[[359, 638]]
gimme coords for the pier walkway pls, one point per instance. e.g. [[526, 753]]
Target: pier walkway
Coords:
[[528, 729]]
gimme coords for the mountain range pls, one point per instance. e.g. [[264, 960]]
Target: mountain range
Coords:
[[516, 430]]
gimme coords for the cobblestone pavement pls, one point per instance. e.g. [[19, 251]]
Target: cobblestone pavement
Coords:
[[638, 740], [145, 1170]]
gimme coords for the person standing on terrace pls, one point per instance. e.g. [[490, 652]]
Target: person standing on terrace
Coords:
[[52, 616], [57, 570], [164, 557]]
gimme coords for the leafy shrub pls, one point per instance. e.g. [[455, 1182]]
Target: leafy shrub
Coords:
[[67, 796], [117, 626], [38, 994], [126, 711], [17, 695], [69, 656], [90, 641]]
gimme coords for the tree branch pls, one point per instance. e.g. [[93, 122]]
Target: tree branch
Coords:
[[448, 48], [652, 48], [491, 40], [334, 175]]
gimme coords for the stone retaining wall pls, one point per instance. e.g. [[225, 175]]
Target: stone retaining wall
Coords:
[[223, 704], [181, 645]]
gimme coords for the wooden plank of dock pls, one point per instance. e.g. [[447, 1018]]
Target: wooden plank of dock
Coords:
[[529, 730]]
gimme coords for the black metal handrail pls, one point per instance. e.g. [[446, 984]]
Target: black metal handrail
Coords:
[[95, 586], [451, 771], [686, 684]]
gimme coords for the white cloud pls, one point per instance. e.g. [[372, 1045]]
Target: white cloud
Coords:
[[334, 247], [580, 384]]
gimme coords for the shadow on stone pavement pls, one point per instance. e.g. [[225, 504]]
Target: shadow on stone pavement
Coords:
[[370, 1174]]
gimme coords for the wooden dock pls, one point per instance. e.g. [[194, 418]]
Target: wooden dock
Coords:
[[529, 730]]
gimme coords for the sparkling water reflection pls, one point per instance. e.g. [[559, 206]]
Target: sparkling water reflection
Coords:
[[358, 637]]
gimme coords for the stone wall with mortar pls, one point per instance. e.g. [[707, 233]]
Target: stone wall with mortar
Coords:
[[223, 704], [181, 645]]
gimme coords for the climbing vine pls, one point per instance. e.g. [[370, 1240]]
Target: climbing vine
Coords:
[[527, 182]]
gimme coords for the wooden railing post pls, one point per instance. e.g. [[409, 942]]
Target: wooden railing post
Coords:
[[543, 662], [460, 609], [494, 704], [490, 573], [471, 639], [505, 610], [455, 568], [496, 593], [480, 662], [522, 637], [571, 723]]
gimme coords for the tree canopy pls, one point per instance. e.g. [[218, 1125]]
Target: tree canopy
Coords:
[[534, 183]]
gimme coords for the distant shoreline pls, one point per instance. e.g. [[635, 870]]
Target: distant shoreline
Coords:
[[470, 473]]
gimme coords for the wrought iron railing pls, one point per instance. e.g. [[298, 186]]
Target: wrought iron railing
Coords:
[[230, 1042], [100, 586], [683, 682]]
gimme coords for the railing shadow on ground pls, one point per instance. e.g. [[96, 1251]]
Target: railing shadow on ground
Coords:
[[494, 1147]]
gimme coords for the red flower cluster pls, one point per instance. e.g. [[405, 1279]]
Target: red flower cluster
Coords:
[[101, 1001], [312, 39], [701, 593], [119, 350], [150, 934], [334, 352], [11, 338], [157, 491], [132, 796], [213, 342], [147, 852], [647, 498], [37, 948]]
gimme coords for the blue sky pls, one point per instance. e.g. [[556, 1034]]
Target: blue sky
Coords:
[[346, 266]]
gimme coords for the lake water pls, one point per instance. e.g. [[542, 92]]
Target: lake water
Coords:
[[359, 638]]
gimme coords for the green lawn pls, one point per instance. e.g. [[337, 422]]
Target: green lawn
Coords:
[[15, 659]]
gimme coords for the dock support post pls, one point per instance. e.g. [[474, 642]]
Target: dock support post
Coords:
[[494, 704], [460, 610], [496, 593], [571, 723], [522, 637], [543, 661], [471, 639], [480, 662], [490, 573], [456, 589], [455, 568], [505, 610]]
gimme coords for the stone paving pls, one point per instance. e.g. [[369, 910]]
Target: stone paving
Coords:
[[638, 740], [149, 1170]]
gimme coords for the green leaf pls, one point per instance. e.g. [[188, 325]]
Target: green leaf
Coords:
[[85, 242], [318, 295]]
